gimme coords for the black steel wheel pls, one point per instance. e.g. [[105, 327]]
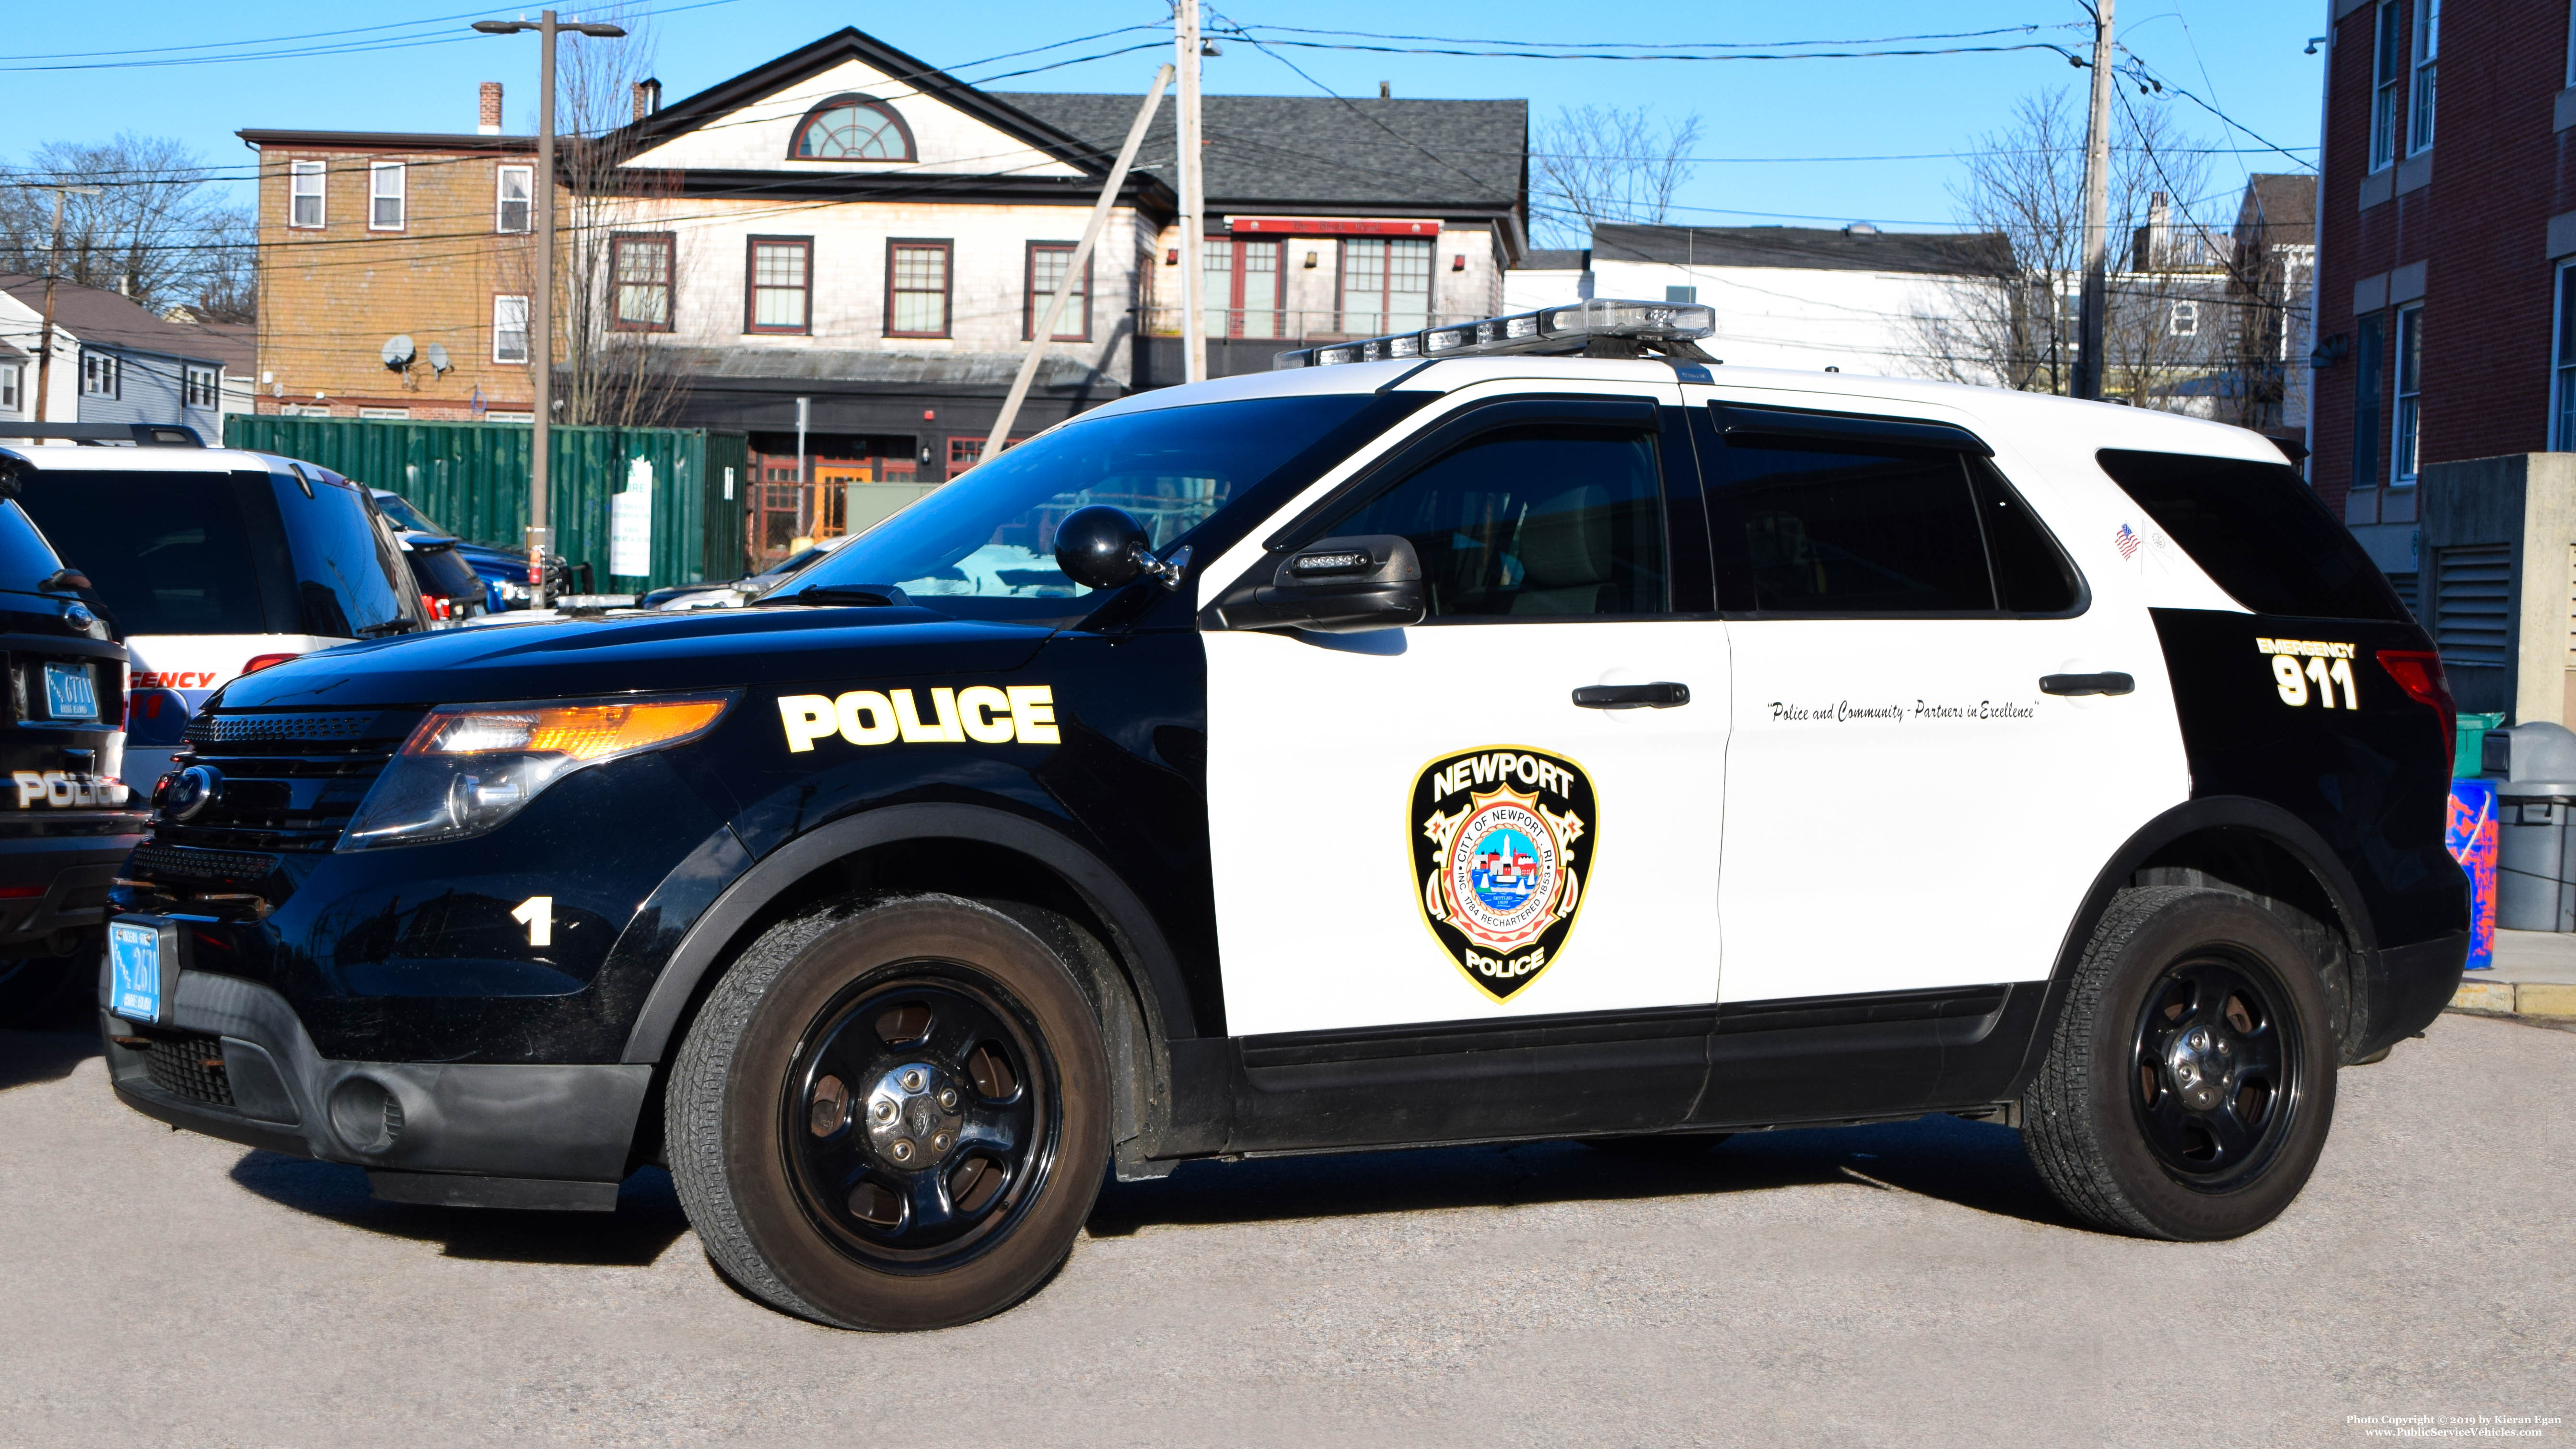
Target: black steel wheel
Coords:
[[2218, 1080], [2190, 1080], [919, 1118], [891, 1115]]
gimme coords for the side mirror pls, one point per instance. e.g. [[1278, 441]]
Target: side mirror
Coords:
[[1331, 586], [1101, 547]]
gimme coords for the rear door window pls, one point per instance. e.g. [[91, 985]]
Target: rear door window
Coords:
[[2258, 533], [169, 553], [350, 581]]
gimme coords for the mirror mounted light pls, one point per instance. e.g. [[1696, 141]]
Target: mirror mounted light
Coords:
[[1101, 547], [1331, 586]]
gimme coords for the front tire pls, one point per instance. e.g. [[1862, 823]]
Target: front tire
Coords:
[[2187, 1092], [891, 1116]]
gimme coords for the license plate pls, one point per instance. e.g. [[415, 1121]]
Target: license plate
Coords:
[[134, 961], [68, 694]]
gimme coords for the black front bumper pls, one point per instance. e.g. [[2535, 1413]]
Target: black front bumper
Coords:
[[234, 1062], [75, 872]]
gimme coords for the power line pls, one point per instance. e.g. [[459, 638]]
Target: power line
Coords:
[[1673, 45]]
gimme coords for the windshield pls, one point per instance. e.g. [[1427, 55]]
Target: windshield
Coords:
[[406, 517], [242, 552], [983, 547]]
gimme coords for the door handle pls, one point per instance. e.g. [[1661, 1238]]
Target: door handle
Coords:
[[1663, 694], [2111, 682]]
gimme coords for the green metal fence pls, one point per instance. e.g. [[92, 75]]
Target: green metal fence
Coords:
[[473, 478]]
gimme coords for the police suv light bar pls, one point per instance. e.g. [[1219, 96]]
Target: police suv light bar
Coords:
[[1549, 329]]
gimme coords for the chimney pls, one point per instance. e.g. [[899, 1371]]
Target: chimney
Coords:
[[2159, 231], [489, 123], [648, 98], [1386, 90]]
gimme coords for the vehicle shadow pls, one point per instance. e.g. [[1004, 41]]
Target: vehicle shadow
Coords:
[[30, 1057], [647, 1221], [1976, 1165]]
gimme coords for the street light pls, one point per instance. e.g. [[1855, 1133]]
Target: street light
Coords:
[[541, 325]]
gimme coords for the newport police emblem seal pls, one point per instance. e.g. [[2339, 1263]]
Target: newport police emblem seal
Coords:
[[1502, 850]]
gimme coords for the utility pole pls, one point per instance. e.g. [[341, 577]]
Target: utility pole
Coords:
[[53, 270], [1185, 41], [541, 322], [2090, 320], [1043, 325]]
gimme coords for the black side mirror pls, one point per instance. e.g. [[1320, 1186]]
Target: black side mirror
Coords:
[[65, 581], [1101, 547], [1331, 586]]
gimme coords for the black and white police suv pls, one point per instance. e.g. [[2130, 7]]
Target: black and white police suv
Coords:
[[1445, 740]]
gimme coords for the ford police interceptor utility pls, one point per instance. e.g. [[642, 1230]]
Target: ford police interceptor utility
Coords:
[[1441, 741]]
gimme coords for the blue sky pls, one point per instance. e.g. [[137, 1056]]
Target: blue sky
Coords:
[[2244, 55]]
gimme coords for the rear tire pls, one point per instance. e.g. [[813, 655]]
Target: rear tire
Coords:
[[891, 1115], [2191, 1081]]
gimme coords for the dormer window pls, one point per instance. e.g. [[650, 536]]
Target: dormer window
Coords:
[[851, 128]]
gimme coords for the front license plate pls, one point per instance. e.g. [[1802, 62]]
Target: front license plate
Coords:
[[68, 694], [134, 960]]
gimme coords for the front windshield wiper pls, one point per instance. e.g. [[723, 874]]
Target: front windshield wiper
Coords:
[[830, 596], [390, 626]]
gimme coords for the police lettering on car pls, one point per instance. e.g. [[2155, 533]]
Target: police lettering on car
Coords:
[[1769, 748]]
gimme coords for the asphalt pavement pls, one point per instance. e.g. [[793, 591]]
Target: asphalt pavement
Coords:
[[1905, 1284]]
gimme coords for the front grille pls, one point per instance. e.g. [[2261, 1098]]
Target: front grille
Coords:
[[291, 778], [190, 1067], [189, 861]]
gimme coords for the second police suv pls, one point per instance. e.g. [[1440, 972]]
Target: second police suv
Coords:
[[1444, 740]]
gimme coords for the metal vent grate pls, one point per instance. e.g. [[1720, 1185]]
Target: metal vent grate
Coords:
[[2473, 602], [186, 860], [243, 729], [190, 1067]]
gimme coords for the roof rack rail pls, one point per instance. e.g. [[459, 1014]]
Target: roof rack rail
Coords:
[[141, 435], [1597, 327]]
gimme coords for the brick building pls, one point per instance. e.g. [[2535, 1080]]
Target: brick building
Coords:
[[369, 236], [2441, 289]]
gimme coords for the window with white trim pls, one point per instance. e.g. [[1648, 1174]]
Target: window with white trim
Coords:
[[385, 183], [2385, 67], [304, 193], [2406, 440], [510, 329], [2184, 320], [2428, 56], [9, 388], [102, 375], [201, 387], [511, 190]]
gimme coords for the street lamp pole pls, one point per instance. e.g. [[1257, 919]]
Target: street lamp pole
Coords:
[[541, 307]]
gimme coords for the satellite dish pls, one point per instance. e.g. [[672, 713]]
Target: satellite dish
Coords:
[[438, 362], [397, 352]]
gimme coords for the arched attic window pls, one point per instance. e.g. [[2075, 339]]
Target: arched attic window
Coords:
[[851, 128]]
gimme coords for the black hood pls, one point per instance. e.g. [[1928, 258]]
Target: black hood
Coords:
[[709, 649]]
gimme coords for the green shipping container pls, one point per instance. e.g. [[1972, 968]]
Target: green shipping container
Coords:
[[688, 486]]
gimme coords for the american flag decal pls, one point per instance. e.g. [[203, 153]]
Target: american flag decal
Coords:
[[2126, 540]]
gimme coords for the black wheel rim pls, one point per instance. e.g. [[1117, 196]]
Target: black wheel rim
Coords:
[[920, 1118], [2215, 1071]]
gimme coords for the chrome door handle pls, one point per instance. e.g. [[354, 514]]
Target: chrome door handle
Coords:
[[2110, 682], [1663, 694]]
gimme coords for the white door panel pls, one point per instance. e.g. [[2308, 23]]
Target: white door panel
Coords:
[[1907, 810], [1315, 746]]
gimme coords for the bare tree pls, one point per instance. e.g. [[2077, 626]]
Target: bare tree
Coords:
[[159, 230], [2168, 306], [1607, 164]]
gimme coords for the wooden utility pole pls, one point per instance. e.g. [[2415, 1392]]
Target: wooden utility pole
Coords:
[[541, 307], [1042, 326], [2091, 322], [53, 270], [1185, 41]]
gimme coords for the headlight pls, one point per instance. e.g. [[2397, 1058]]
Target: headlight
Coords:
[[514, 592], [470, 767]]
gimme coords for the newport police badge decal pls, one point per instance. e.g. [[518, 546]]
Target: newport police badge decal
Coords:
[[1502, 842]]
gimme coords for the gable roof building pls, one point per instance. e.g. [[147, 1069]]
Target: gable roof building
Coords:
[[114, 361]]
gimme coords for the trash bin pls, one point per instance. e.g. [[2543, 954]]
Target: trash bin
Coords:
[[2536, 855], [2470, 835], [2469, 747]]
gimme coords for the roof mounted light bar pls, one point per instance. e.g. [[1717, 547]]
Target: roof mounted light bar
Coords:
[[1549, 329]]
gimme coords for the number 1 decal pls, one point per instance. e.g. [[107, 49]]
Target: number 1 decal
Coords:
[[537, 913]]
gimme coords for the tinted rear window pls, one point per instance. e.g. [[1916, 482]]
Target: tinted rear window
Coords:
[[225, 553], [2258, 533], [25, 557]]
